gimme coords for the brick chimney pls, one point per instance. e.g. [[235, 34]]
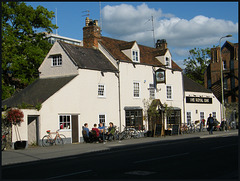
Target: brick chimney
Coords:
[[91, 33], [161, 44], [215, 54]]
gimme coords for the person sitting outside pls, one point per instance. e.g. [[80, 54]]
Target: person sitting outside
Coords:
[[85, 132], [101, 130], [95, 132], [111, 131]]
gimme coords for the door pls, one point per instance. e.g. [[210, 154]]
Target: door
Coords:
[[33, 130], [75, 130]]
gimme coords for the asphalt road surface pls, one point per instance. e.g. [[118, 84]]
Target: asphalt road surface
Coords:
[[209, 158]]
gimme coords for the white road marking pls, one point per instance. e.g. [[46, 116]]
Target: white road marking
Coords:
[[214, 148], [138, 172], [75, 173], [158, 158]]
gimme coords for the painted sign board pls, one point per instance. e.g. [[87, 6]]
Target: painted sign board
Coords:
[[199, 100]]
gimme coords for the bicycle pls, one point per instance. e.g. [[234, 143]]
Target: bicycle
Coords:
[[128, 133], [4, 140], [184, 129], [48, 140]]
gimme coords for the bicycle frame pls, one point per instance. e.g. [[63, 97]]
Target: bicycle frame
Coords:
[[49, 139], [56, 136]]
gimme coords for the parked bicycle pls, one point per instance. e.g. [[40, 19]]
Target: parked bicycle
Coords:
[[49, 140], [184, 129], [192, 128], [4, 140], [128, 133]]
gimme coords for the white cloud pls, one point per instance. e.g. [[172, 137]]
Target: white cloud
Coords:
[[131, 23], [181, 52], [126, 20]]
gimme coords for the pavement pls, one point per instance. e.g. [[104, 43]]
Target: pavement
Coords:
[[11, 157]]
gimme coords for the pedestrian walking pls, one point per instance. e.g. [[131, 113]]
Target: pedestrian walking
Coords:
[[210, 123]]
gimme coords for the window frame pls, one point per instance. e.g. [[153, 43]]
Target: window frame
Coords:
[[135, 56], [168, 62], [105, 119], [188, 113], [56, 60], [214, 114], [224, 62], [60, 122], [200, 115], [169, 98], [152, 92], [134, 90], [104, 91]]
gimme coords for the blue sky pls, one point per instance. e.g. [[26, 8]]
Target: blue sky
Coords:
[[184, 25]]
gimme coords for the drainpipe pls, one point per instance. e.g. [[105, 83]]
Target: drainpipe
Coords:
[[119, 97], [183, 99]]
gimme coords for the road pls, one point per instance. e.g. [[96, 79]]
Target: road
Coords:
[[209, 158]]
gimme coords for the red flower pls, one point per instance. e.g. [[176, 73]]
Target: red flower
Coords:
[[15, 116]]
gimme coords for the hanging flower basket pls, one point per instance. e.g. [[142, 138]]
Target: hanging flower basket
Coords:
[[15, 116]]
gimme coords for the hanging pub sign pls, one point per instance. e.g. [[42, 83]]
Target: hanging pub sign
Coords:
[[160, 76], [199, 100]]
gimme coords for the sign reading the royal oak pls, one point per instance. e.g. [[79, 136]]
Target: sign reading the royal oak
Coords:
[[200, 100]]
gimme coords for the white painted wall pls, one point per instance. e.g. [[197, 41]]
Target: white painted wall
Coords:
[[80, 96], [144, 75], [195, 109], [23, 128], [47, 70]]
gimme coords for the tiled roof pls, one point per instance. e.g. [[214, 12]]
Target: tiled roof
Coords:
[[126, 45], [37, 92], [88, 58], [147, 54], [192, 86]]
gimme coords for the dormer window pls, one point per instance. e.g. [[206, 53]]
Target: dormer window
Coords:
[[167, 62], [56, 60], [135, 57]]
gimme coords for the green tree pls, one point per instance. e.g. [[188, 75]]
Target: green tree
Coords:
[[23, 47], [197, 63]]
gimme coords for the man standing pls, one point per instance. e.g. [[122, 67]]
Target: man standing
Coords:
[[210, 123]]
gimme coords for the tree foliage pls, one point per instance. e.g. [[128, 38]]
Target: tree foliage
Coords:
[[23, 47], [196, 64]]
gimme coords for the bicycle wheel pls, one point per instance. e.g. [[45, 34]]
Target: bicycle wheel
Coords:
[[59, 141], [47, 141], [63, 138], [3, 144], [127, 135], [120, 136]]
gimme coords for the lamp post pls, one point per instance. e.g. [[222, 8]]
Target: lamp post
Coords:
[[222, 111]]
